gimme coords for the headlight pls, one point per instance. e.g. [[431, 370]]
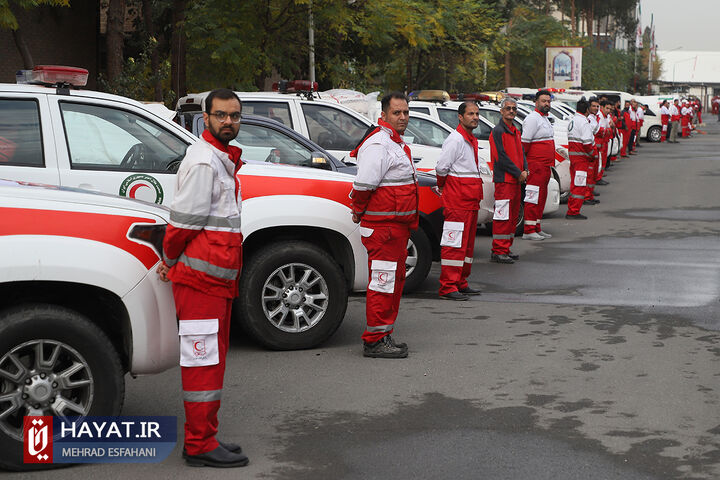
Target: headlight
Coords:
[[563, 152]]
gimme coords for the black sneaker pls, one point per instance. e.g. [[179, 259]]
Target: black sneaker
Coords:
[[579, 216], [514, 256], [384, 348], [502, 258], [602, 182], [457, 296], [401, 345], [218, 458], [230, 447], [591, 202], [470, 291]]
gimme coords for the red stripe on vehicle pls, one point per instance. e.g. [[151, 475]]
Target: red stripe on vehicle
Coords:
[[335, 191], [99, 227]]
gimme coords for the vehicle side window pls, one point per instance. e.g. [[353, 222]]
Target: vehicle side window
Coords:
[[264, 144], [332, 128], [492, 115], [104, 138], [425, 110], [482, 132], [425, 132], [448, 116], [20, 134], [278, 111], [650, 113]]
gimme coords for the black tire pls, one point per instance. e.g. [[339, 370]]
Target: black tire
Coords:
[[654, 134], [263, 274], [520, 225], [419, 253], [76, 339]]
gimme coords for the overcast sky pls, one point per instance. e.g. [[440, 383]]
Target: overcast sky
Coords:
[[690, 24]]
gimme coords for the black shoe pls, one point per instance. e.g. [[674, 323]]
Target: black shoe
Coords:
[[595, 194], [502, 258], [514, 256], [591, 202], [401, 345], [230, 447], [218, 458], [469, 291], [601, 182], [579, 216], [384, 348], [457, 296]]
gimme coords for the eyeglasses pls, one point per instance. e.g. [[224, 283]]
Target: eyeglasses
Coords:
[[221, 116], [514, 109]]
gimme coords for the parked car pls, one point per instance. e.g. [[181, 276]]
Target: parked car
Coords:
[[80, 304]]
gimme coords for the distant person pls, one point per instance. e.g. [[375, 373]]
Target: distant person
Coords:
[[510, 170], [538, 139], [675, 121], [664, 120], [461, 188], [581, 149]]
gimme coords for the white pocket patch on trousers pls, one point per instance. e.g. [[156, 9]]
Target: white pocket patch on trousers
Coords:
[[199, 343], [580, 178], [382, 276], [502, 210], [532, 194], [452, 234], [366, 232]]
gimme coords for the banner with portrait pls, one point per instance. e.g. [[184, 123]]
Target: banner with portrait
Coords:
[[563, 67]]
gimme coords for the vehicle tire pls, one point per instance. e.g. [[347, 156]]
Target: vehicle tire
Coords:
[[563, 195], [520, 225], [38, 343], [418, 262], [654, 134], [274, 305]]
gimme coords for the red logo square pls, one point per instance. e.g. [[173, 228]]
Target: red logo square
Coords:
[[38, 439]]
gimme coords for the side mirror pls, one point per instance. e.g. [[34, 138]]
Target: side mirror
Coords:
[[320, 160]]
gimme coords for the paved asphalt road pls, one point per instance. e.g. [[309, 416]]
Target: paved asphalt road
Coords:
[[597, 356]]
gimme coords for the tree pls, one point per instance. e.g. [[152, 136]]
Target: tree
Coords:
[[115, 38], [9, 21]]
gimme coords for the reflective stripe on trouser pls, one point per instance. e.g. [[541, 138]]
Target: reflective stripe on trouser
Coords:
[[577, 193], [503, 231], [456, 262], [540, 176], [591, 169], [603, 161], [388, 243], [202, 386]]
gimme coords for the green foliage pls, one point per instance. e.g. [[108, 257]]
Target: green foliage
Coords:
[[607, 70], [7, 17]]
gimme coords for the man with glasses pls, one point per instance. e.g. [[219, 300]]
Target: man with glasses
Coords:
[[202, 257], [538, 139], [510, 169]]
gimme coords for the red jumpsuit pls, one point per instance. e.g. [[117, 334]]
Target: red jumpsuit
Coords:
[[685, 120], [385, 197], [506, 152], [458, 174], [582, 152], [625, 116], [538, 139], [664, 120], [203, 248]]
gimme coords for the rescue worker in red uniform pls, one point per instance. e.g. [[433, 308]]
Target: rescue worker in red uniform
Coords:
[[685, 119], [664, 120], [593, 172], [538, 139], [459, 183], [581, 149], [510, 170], [626, 128], [385, 203], [602, 142], [202, 258]]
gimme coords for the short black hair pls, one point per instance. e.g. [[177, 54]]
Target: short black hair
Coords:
[[593, 99], [540, 93], [463, 106], [222, 94], [582, 106], [385, 102]]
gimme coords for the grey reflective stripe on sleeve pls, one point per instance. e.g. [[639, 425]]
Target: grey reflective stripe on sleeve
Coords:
[[464, 174], [578, 154], [381, 328], [190, 220], [209, 268], [364, 185], [398, 214], [503, 237], [202, 396], [169, 261], [543, 139], [573, 196]]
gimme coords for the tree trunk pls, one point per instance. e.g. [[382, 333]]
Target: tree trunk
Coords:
[[507, 69], [590, 21], [154, 56], [23, 49], [177, 49], [573, 22], [115, 38]]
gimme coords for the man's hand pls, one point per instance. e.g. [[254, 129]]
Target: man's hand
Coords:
[[523, 176], [437, 190], [355, 218], [163, 270]]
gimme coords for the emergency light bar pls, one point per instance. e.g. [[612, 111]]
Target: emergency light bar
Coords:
[[478, 97], [50, 75], [430, 95], [295, 86]]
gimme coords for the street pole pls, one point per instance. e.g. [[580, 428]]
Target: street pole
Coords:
[[311, 42]]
